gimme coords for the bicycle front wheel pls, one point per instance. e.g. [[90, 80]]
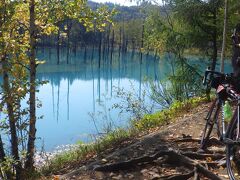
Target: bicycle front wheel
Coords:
[[233, 151], [211, 120]]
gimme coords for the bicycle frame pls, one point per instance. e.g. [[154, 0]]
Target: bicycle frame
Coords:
[[234, 120]]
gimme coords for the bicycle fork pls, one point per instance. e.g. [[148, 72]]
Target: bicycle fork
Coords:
[[223, 121], [236, 138], [238, 119]]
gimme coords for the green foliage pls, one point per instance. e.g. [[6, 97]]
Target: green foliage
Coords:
[[162, 117], [21, 25], [130, 102]]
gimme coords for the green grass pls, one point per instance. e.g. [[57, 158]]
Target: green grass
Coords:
[[119, 135], [159, 118], [72, 157]]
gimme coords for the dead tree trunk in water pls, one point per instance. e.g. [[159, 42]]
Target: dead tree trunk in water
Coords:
[[142, 44], [126, 45], [99, 50], [120, 42], [69, 27], [103, 47], [58, 47], [155, 55], [112, 48], [108, 39], [85, 54]]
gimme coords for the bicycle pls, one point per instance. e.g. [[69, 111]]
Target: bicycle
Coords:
[[228, 132]]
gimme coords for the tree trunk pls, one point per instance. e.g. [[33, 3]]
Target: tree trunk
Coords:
[[58, 47], [112, 49], [108, 39], [214, 36], [120, 42], [12, 120], [99, 50], [224, 35], [7, 174], [142, 44], [32, 98], [69, 27], [2, 153]]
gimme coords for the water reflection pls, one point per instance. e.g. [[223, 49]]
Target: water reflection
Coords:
[[83, 82], [86, 84]]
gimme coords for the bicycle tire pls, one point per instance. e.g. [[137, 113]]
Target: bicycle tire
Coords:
[[233, 152], [211, 118]]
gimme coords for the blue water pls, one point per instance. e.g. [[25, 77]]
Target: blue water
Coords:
[[77, 102]]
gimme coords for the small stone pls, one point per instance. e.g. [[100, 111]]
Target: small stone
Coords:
[[117, 177], [99, 175], [155, 176], [135, 154], [151, 172], [155, 170], [104, 160], [131, 176], [112, 174], [144, 171]]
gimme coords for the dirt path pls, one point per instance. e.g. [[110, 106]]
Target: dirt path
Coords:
[[173, 137]]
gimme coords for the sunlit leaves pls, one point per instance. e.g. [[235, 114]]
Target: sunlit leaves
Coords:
[[22, 23]]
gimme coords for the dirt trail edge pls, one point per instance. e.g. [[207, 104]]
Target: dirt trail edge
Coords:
[[170, 152]]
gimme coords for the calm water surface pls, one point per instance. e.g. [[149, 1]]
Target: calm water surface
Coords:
[[77, 101]]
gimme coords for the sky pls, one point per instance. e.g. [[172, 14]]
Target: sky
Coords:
[[120, 2]]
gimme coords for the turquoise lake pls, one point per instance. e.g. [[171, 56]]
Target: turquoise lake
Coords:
[[78, 98]]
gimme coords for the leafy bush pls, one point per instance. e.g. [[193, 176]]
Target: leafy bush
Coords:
[[164, 116]]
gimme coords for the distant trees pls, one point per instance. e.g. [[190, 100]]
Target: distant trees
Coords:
[[199, 22], [205, 24], [127, 30]]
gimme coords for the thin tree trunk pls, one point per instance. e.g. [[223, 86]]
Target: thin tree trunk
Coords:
[[120, 42], [123, 36], [69, 27], [7, 174], [12, 120], [99, 50], [2, 157], [112, 49], [32, 98], [85, 54], [142, 44], [214, 55], [2, 153], [58, 47], [224, 35], [108, 39]]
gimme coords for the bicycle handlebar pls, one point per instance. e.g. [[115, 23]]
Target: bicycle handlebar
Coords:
[[220, 78], [212, 72], [225, 80]]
